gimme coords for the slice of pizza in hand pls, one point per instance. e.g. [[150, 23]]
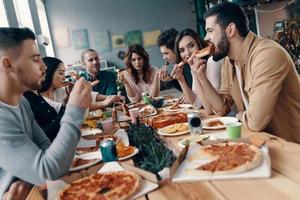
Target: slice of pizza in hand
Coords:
[[205, 53], [229, 158]]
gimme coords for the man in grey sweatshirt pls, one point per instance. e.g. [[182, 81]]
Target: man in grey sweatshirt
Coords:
[[26, 154]]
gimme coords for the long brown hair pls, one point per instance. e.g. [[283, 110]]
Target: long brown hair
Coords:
[[135, 48], [187, 32]]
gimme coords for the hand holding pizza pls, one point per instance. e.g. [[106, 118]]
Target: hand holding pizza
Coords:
[[81, 94], [177, 72]]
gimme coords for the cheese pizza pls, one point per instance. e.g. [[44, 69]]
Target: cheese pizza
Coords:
[[105, 186], [229, 158]]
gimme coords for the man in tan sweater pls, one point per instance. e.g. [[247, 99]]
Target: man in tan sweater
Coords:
[[258, 75]]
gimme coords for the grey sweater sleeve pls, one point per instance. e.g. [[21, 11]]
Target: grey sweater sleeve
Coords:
[[29, 157]]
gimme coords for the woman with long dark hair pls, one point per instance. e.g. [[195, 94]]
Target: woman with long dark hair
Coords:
[[140, 76], [45, 103], [186, 43]]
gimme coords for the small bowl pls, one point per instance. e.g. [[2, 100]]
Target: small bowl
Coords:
[[157, 103]]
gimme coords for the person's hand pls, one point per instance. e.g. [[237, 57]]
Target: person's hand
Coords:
[[17, 191], [177, 73], [163, 74], [81, 94], [110, 99], [198, 67], [123, 78], [119, 99], [183, 100]]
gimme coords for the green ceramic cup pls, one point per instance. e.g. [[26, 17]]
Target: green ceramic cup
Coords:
[[233, 130]]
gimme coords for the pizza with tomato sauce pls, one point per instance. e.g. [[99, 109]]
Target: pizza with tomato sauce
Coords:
[[229, 158], [119, 185]]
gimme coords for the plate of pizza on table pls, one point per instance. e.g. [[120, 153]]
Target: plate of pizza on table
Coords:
[[174, 129], [217, 122], [226, 160], [82, 163], [115, 185]]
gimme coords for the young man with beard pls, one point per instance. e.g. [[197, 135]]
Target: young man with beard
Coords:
[[258, 75], [107, 80], [26, 154]]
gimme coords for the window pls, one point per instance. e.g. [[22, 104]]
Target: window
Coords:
[[44, 26], [23, 14], [3, 17]]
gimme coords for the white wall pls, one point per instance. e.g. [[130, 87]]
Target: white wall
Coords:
[[118, 16], [267, 15]]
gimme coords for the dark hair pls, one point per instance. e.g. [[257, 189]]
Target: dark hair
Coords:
[[12, 38], [167, 38], [85, 51], [230, 13], [52, 65], [187, 32], [138, 49]]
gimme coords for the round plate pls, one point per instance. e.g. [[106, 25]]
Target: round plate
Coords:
[[84, 166], [150, 114], [162, 131], [224, 120], [192, 139], [136, 150], [188, 106]]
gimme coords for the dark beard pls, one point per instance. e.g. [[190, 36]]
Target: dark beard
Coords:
[[223, 47]]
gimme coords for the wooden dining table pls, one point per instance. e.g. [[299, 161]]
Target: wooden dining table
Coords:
[[283, 184]]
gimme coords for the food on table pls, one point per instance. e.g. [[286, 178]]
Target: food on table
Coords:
[[146, 111], [176, 128], [123, 150], [163, 120], [215, 123], [83, 150], [109, 186], [91, 123], [168, 97], [125, 109], [193, 138], [175, 106], [79, 162], [228, 158]]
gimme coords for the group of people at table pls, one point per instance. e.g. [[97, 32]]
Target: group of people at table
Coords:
[[249, 76]]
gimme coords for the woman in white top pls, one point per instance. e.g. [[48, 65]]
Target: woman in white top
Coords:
[[186, 43], [139, 76]]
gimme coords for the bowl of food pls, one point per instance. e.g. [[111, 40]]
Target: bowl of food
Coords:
[[157, 102]]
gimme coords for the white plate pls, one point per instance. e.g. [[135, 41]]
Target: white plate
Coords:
[[183, 175], [149, 107], [136, 150], [162, 132], [122, 117], [84, 166], [225, 120], [168, 109], [192, 139], [188, 106]]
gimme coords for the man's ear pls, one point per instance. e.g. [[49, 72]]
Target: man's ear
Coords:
[[5, 63], [231, 30]]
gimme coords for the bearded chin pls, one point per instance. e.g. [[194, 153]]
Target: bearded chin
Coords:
[[223, 47]]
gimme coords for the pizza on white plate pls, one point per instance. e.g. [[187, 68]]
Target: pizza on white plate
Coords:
[[118, 185], [228, 158]]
